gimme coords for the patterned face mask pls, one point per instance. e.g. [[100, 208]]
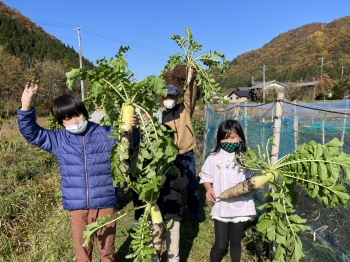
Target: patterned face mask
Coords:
[[229, 146]]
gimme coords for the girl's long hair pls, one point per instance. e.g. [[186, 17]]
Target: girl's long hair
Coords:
[[225, 130]]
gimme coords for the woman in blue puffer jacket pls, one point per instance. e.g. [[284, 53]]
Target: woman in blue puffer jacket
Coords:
[[82, 150]]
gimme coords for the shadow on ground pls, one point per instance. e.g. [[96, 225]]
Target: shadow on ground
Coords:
[[189, 232], [123, 251]]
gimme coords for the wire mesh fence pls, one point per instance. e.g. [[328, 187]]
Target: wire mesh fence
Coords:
[[301, 122]]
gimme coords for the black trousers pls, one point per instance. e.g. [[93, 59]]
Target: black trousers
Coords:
[[225, 232]]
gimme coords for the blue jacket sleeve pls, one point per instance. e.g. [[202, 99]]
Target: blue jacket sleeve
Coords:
[[34, 133]]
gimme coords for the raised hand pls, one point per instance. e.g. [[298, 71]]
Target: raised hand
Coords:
[[30, 90]]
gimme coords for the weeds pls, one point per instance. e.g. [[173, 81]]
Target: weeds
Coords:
[[29, 186]]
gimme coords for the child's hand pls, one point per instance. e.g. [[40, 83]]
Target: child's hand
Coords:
[[134, 121], [27, 96], [210, 195]]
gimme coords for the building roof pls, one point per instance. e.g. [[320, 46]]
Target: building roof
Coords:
[[244, 88], [269, 83], [307, 83], [241, 93]]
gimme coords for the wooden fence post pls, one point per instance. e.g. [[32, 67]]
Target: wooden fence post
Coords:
[[277, 123], [295, 125], [245, 122]]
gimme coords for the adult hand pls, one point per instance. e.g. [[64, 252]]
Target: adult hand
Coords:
[[30, 90], [210, 195], [134, 121]]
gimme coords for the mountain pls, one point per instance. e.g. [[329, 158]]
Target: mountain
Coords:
[[295, 55], [24, 39], [27, 52]]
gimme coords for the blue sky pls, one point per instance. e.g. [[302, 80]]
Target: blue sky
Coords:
[[228, 26]]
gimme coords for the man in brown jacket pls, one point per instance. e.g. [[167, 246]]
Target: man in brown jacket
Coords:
[[178, 118]]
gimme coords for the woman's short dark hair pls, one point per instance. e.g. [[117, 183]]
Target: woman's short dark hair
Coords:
[[225, 130], [68, 106]]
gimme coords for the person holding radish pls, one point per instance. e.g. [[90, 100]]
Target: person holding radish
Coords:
[[82, 150], [178, 118], [220, 172]]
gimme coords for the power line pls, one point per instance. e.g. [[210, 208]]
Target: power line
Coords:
[[318, 109], [105, 36], [129, 52], [54, 24]]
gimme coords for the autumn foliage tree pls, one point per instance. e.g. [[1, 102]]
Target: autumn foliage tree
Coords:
[[341, 88], [52, 75], [10, 79], [323, 88]]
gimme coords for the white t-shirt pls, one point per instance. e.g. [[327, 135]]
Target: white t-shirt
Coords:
[[222, 172]]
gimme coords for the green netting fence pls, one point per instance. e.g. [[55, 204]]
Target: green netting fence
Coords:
[[301, 122]]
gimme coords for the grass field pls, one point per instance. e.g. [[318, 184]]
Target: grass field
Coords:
[[35, 228]]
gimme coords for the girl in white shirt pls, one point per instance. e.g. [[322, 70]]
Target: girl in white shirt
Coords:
[[219, 172]]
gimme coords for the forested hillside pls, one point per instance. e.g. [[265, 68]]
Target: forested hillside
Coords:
[[28, 52], [296, 55]]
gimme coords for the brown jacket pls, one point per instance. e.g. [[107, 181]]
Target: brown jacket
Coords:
[[179, 120]]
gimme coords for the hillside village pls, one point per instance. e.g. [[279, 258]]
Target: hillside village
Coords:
[[253, 92]]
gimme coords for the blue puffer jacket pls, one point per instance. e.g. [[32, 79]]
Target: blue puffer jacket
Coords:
[[84, 161]]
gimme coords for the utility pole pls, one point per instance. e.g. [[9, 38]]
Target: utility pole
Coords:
[[342, 72], [80, 61], [321, 67], [263, 67]]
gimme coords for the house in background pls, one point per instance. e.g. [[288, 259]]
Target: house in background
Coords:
[[240, 95], [308, 88], [270, 85], [250, 93]]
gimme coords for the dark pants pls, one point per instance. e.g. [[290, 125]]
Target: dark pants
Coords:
[[223, 233], [137, 203], [188, 160]]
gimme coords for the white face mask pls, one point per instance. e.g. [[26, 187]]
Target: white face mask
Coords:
[[77, 128], [169, 103]]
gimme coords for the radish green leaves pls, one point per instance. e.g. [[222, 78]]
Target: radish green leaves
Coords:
[[321, 170]]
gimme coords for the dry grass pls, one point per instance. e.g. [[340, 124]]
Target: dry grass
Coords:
[[10, 129]]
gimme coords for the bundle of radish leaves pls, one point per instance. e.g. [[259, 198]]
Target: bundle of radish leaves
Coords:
[[321, 170], [113, 90], [203, 66]]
